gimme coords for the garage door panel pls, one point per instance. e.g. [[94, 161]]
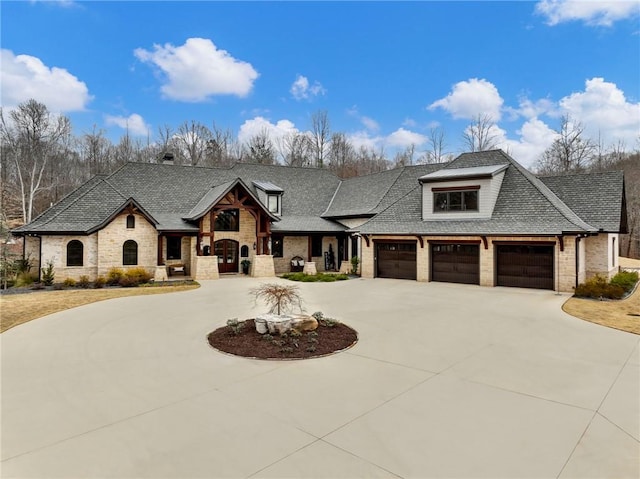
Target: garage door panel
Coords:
[[455, 263], [525, 266], [396, 260]]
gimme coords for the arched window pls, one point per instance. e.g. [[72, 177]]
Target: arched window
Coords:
[[244, 251], [131, 221], [130, 253], [75, 253]]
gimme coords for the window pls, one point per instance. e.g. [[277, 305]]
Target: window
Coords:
[[613, 251], [273, 203], [277, 246], [131, 221], [174, 247], [130, 253], [75, 253], [316, 246], [455, 200], [244, 251], [227, 220]]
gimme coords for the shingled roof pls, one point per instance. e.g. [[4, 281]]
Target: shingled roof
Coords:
[[312, 199], [525, 206]]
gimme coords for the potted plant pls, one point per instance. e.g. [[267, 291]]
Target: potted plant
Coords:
[[245, 265]]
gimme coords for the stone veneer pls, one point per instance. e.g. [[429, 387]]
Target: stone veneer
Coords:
[[262, 266], [299, 246]]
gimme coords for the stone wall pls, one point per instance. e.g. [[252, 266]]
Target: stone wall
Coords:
[[245, 236], [292, 246], [112, 237], [262, 266], [601, 254], [54, 249], [204, 267]]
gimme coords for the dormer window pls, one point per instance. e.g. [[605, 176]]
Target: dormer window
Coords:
[[455, 199], [273, 203]]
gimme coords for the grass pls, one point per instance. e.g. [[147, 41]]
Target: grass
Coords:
[[623, 315], [17, 309]]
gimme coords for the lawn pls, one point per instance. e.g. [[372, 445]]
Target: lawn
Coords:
[[16, 309]]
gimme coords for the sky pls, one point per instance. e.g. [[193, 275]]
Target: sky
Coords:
[[386, 73]]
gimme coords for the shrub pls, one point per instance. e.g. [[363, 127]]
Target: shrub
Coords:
[[134, 277], [69, 283], [235, 326], [625, 279], [47, 274], [99, 282], [597, 288], [312, 278], [84, 282], [355, 261], [24, 279], [114, 276]]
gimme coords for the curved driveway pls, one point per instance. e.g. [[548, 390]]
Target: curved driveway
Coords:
[[446, 381]]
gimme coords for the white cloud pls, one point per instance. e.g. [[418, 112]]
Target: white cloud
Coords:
[[24, 77], [198, 69], [134, 123], [361, 139], [604, 111], [301, 89], [403, 138], [471, 98], [259, 124], [370, 123], [601, 13], [531, 109], [535, 137]]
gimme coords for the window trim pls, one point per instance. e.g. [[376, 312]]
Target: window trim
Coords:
[[456, 189], [278, 198], [76, 242], [127, 256]]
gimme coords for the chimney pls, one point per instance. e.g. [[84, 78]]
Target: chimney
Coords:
[[167, 159]]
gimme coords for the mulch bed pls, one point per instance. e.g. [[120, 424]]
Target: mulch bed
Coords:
[[250, 344]]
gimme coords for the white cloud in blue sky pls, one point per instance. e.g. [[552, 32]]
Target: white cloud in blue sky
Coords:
[[24, 77], [600, 13], [301, 89], [133, 123], [197, 70], [470, 98]]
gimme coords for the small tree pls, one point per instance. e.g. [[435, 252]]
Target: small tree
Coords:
[[48, 274], [278, 297]]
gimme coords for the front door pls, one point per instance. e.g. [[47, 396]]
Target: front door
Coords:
[[227, 253]]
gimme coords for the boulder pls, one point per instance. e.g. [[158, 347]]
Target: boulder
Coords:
[[303, 323]]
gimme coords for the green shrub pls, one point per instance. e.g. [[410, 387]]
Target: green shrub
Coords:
[[99, 282], [84, 282], [48, 274], [598, 287], [313, 278], [625, 279], [114, 276], [69, 283], [355, 261]]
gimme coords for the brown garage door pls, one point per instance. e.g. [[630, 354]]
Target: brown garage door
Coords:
[[396, 260], [525, 266], [455, 263]]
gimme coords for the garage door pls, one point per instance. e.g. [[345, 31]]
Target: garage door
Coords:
[[455, 263], [525, 266], [396, 260]]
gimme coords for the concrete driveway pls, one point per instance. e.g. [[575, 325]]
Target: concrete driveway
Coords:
[[446, 381]]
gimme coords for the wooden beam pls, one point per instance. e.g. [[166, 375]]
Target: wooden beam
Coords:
[[484, 242], [160, 237], [561, 241], [421, 240], [366, 239]]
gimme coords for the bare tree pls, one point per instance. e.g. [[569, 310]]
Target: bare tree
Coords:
[[192, 139], [95, 152], [570, 151], [437, 145], [260, 149], [31, 137], [481, 134], [320, 134], [221, 148], [341, 156], [404, 157], [294, 149]]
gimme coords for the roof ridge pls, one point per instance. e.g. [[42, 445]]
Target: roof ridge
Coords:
[[333, 197], [550, 196], [395, 180]]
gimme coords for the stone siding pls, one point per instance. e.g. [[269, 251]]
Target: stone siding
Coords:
[[291, 246], [54, 249], [601, 256], [262, 266]]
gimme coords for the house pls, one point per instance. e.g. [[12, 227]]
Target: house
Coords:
[[480, 219]]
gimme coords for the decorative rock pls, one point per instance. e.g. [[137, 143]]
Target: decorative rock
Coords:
[[279, 324], [304, 323]]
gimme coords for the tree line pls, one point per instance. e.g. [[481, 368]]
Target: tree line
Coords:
[[42, 160]]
